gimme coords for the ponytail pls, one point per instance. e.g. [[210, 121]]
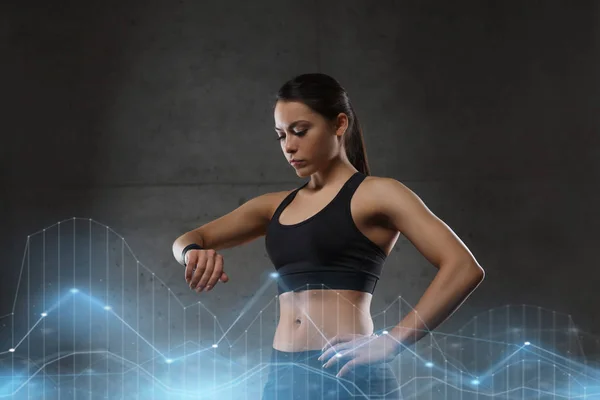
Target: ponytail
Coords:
[[355, 147]]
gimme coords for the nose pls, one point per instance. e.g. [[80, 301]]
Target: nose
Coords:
[[290, 146]]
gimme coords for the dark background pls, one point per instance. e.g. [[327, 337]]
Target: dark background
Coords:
[[155, 117]]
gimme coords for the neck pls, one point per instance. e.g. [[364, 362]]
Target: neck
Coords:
[[338, 171]]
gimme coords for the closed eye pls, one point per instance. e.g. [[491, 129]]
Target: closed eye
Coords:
[[301, 133]]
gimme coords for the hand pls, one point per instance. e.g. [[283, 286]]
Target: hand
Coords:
[[356, 349], [204, 268]]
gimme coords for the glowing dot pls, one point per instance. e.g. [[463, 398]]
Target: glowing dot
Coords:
[[527, 343], [215, 346], [338, 355], [385, 332], [107, 308], [274, 274], [169, 361], [11, 350], [429, 364], [44, 314], [475, 381], [74, 290]]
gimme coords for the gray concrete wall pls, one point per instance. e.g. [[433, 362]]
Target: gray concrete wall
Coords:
[[153, 118]]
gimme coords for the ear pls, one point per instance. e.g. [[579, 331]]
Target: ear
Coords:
[[341, 124]]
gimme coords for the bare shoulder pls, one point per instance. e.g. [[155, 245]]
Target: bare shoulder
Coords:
[[378, 187], [271, 200], [388, 196], [260, 207]]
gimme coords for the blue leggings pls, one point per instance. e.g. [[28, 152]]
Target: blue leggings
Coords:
[[300, 376]]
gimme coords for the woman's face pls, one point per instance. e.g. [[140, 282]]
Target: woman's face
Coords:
[[305, 135]]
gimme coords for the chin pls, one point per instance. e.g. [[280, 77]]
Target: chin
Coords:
[[303, 172]]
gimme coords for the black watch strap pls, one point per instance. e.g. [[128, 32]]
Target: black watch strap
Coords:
[[192, 246]]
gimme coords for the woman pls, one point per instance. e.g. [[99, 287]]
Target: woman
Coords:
[[328, 241]]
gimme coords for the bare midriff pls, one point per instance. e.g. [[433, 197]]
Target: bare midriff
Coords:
[[309, 318]]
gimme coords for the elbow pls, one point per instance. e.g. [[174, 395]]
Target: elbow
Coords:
[[470, 273], [476, 273]]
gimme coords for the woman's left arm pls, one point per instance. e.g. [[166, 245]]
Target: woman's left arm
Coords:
[[459, 273]]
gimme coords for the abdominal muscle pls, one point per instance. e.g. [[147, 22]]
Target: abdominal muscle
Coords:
[[309, 318]]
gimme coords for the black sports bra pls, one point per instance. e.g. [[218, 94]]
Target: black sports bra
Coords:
[[325, 251]]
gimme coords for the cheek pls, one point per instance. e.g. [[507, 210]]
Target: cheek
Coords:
[[312, 150], [319, 145], [325, 148]]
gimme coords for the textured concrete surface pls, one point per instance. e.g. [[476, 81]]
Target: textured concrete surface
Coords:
[[155, 117]]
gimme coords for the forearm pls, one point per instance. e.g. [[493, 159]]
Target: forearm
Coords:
[[448, 290], [184, 240]]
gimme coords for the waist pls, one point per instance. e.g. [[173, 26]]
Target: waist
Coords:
[[300, 276], [308, 319]]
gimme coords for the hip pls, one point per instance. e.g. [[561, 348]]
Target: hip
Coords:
[[300, 375]]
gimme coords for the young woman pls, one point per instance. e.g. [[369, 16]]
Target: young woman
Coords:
[[328, 240]]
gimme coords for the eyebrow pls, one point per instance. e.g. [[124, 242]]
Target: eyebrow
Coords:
[[292, 125]]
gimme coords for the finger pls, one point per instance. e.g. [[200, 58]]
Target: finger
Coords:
[[200, 266], [210, 265], [197, 276], [330, 342], [327, 354], [217, 271], [224, 277], [188, 274], [189, 265], [348, 366], [333, 355], [338, 339]]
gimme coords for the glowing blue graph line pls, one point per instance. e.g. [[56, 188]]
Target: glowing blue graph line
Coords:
[[439, 367]]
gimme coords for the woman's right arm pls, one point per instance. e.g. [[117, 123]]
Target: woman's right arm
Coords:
[[242, 225]]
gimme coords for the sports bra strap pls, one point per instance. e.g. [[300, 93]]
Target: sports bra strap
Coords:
[[288, 199]]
